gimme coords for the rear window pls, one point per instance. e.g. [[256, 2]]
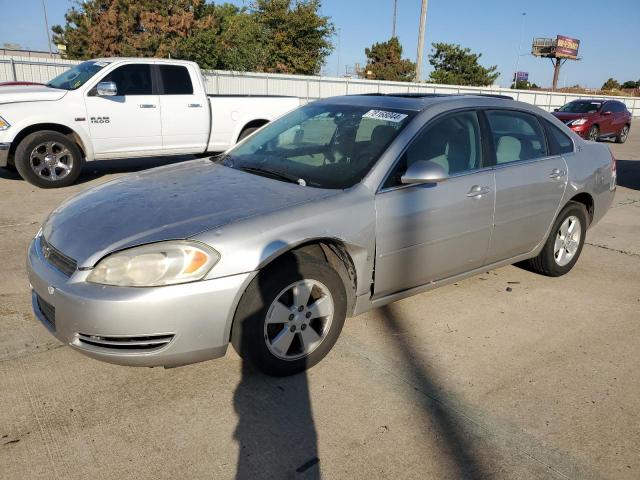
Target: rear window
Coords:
[[175, 80]]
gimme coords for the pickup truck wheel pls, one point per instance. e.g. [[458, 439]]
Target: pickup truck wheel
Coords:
[[290, 316], [562, 249], [624, 133], [48, 159], [246, 132]]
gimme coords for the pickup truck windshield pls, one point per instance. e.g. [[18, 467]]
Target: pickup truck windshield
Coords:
[[77, 76], [320, 145]]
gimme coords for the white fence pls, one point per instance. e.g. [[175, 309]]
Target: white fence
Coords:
[[306, 87]]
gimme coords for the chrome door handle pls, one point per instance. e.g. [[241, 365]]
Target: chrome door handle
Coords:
[[557, 173], [147, 105], [477, 191], [194, 105]]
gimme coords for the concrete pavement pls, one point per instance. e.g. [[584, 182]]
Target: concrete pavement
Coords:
[[505, 375]]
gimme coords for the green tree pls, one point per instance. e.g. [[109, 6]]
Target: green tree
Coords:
[[455, 65], [385, 62], [297, 36], [631, 84], [611, 84]]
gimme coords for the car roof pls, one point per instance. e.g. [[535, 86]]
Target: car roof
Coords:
[[142, 60], [419, 101]]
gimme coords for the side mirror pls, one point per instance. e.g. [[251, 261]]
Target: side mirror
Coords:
[[608, 112], [424, 171], [107, 89], [556, 109]]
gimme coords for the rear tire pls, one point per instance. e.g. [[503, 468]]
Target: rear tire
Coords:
[[246, 132], [279, 328], [48, 159], [624, 134], [564, 245], [593, 133]]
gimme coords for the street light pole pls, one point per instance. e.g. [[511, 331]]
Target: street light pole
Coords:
[[338, 49], [395, 6], [46, 25], [515, 80], [423, 21]]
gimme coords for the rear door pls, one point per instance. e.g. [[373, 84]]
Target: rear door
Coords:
[[184, 110], [129, 122], [530, 182], [607, 118], [431, 232]]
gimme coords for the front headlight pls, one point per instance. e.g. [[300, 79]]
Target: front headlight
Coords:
[[156, 264], [4, 124], [579, 121]]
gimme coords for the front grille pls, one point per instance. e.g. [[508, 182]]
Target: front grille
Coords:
[[57, 259], [148, 342], [48, 311]]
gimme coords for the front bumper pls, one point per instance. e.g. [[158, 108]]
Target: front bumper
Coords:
[[4, 154], [160, 326], [581, 130]]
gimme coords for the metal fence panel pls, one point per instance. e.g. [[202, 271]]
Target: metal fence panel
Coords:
[[306, 87]]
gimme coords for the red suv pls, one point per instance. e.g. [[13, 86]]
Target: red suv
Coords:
[[596, 119]]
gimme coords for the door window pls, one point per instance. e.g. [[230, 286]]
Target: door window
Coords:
[[559, 142], [452, 142], [175, 80], [516, 136], [131, 79]]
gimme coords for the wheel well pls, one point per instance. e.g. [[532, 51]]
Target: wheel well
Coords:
[[44, 126], [336, 254], [253, 124], [587, 200]]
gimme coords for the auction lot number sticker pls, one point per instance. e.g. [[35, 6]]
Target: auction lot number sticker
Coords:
[[394, 117]]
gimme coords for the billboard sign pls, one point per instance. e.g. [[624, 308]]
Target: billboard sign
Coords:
[[522, 76], [566, 47]]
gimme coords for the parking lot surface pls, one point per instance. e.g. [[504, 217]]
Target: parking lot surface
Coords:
[[504, 375]]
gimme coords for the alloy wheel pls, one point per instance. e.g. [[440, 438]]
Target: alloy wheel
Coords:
[[298, 320], [567, 240], [51, 161]]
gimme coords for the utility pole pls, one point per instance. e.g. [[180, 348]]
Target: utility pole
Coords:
[[46, 25], [423, 21], [395, 7], [515, 81], [338, 49]]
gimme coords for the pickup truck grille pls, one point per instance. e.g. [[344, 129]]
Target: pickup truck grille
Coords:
[[57, 259]]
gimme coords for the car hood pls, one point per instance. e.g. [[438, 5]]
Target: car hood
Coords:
[[30, 93], [166, 203]]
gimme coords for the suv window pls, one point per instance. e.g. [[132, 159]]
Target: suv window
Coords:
[[131, 79], [516, 136], [559, 142], [175, 80], [452, 142]]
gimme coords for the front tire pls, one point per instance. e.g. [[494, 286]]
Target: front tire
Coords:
[[290, 316], [564, 245], [624, 134], [48, 159], [593, 133]]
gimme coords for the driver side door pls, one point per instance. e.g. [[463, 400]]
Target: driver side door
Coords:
[[128, 123], [430, 232]]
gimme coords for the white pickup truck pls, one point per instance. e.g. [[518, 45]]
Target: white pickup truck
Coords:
[[121, 108]]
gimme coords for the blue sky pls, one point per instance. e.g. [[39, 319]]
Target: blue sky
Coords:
[[609, 37]]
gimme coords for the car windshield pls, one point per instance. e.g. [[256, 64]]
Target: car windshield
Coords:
[[320, 145], [581, 107], [77, 76]]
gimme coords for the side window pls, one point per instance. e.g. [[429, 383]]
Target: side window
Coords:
[[559, 142], [516, 136], [452, 142], [131, 79], [175, 80]]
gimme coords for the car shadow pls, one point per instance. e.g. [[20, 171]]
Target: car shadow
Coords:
[[628, 173], [276, 433], [455, 439]]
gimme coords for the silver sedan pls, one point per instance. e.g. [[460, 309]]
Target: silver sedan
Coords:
[[341, 206]]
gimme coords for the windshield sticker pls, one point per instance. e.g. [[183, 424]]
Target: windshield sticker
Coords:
[[394, 117]]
